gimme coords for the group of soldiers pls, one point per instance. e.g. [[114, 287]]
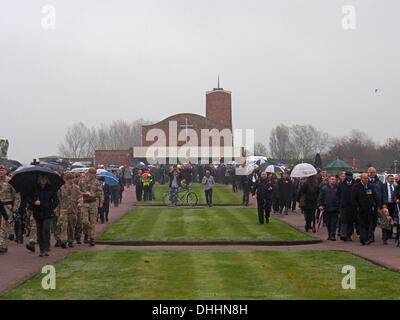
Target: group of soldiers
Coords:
[[79, 202]]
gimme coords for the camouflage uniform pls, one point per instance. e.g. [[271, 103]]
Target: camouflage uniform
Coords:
[[90, 204], [32, 228], [11, 200], [69, 196], [78, 226]]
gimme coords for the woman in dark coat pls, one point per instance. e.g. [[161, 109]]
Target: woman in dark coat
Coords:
[[309, 196], [275, 195], [44, 201]]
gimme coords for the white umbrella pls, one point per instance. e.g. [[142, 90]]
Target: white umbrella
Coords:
[[77, 164], [273, 169], [100, 171], [303, 170]]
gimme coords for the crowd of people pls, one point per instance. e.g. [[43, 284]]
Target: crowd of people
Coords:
[[347, 206], [69, 213]]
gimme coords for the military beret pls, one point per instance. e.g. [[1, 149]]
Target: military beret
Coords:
[[3, 167], [92, 170], [349, 174], [77, 175], [69, 176]]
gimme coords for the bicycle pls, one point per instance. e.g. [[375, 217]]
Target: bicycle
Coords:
[[184, 197]]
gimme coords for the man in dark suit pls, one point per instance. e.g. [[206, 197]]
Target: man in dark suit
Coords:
[[263, 188], [365, 203], [389, 197], [378, 187], [347, 214]]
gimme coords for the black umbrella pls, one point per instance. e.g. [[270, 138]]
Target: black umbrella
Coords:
[[24, 180], [11, 165]]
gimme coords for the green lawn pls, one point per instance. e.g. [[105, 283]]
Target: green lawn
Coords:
[[201, 224], [173, 275], [222, 195]]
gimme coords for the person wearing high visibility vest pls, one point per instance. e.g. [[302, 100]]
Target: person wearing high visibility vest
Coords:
[[147, 180]]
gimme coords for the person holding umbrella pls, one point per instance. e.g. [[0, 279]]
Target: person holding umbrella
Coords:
[[103, 212], [93, 199], [44, 201], [9, 203], [309, 192]]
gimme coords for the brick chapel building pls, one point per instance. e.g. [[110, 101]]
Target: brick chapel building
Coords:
[[218, 116]]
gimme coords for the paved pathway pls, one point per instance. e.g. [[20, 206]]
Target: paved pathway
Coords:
[[19, 264]]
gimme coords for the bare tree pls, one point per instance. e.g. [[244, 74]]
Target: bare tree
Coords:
[[80, 141], [260, 149], [280, 144], [76, 141], [308, 141]]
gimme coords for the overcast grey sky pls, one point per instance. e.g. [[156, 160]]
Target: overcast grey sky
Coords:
[[285, 61]]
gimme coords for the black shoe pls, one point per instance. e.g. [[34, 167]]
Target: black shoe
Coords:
[[30, 247], [58, 243], [63, 245], [46, 253], [362, 242], [91, 242], [41, 254], [11, 237], [266, 221], [70, 244], [86, 240], [384, 242], [3, 250], [78, 241]]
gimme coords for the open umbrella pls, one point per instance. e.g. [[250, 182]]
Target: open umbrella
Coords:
[[337, 165], [139, 165], [77, 165], [303, 170], [24, 167], [25, 179], [11, 165], [273, 169], [110, 178]]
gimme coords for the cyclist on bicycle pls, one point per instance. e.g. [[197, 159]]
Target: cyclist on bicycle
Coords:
[[175, 181]]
